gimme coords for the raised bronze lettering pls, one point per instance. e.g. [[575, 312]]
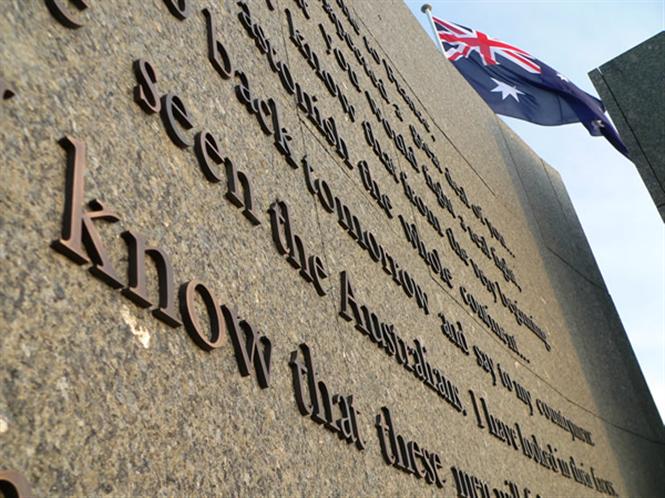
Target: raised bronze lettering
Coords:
[[234, 179], [14, 485], [145, 93], [208, 154], [63, 15], [78, 230], [137, 292], [179, 8], [216, 339], [174, 112], [251, 348], [6, 93], [217, 54]]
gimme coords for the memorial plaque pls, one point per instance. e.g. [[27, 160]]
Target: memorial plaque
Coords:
[[280, 247]]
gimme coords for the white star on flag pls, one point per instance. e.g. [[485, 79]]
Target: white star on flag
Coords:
[[563, 78], [506, 90]]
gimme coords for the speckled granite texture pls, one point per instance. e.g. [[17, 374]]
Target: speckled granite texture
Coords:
[[98, 397]]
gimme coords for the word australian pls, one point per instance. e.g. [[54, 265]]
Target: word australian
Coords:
[[412, 358]]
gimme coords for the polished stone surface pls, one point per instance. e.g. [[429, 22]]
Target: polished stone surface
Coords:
[[100, 398]]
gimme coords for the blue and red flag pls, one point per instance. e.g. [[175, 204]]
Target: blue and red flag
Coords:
[[514, 83]]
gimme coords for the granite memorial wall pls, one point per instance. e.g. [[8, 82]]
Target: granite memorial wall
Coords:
[[280, 247]]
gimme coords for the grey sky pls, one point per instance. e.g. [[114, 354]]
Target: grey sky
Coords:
[[621, 222]]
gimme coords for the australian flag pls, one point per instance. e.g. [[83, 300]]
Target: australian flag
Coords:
[[514, 83]]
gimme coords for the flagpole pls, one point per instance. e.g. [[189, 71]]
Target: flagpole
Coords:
[[427, 10]]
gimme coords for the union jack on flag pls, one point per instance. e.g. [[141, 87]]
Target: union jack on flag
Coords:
[[515, 83], [464, 40]]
